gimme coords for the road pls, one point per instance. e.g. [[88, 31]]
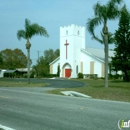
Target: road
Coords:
[[29, 110]]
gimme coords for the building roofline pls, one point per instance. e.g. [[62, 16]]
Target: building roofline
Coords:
[[54, 60], [83, 50]]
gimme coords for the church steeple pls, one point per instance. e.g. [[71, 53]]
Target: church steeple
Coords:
[[72, 40]]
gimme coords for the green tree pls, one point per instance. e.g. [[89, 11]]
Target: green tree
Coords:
[[58, 70], [30, 30], [50, 55], [1, 59], [121, 60], [12, 59], [20, 59], [42, 67], [103, 13]]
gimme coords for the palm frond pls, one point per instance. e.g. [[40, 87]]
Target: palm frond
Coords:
[[92, 23], [113, 10], [35, 29], [27, 24], [100, 11], [97, 9], [97, 39], [111, 38], [21, 34], [102, 41]]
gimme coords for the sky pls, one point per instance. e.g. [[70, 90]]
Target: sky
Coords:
[[51, 14]]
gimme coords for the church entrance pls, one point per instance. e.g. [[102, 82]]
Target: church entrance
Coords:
[[66, 70], [67, 73]]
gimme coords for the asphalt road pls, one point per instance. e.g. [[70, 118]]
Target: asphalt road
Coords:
[[24, 110]]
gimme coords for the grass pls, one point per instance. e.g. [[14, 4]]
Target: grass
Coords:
[[117, 90], [12, 83]]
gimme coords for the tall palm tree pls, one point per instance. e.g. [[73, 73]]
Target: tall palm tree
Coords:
[[102, 41], [103, 13], [30, 30]]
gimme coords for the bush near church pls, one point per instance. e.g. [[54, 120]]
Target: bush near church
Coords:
[[80, 76], [115, 76]]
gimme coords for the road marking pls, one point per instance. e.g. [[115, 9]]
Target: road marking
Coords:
[[5, 128]]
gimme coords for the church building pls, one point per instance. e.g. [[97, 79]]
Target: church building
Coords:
[[75, 57]]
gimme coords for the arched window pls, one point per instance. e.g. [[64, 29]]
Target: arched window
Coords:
[[77, 69]]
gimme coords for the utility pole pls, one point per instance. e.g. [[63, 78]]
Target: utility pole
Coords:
[[38, 55], [38, 63]]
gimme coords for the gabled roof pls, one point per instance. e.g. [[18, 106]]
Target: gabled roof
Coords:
[[90, 54], [22, 69], [99, 53], [93, 52], [55, 60], [10, 71]]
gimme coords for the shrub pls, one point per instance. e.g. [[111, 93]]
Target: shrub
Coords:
[[32, 74], [80, 75], [11, 75], [24, 75], [110, 76], [49, 75]]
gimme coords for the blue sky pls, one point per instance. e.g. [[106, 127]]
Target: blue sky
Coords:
[[50, 14]]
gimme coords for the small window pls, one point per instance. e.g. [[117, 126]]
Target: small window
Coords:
[[77, 69], [78, 32], [66, 32]]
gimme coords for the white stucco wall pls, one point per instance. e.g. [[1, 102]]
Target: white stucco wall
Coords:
[[55, 65], [75, 36], [86, 59], [2, 73]]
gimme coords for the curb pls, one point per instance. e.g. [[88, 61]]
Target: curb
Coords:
[[75, 94]]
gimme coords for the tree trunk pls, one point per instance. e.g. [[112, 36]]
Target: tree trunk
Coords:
[[105, 32], [28, 64], [106, 59], [28, 45], [126, 76]]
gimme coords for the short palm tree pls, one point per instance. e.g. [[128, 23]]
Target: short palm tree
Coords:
[[30, 30], [103, 13]]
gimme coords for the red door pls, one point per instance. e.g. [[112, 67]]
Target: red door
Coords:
[[67, 73]]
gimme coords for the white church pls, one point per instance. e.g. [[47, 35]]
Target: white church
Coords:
[[75, 57]]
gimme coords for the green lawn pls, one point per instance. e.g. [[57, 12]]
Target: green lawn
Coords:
[[117, 90], [8, 83]]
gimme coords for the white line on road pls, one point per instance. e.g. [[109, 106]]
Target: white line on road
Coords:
[[5, 128]]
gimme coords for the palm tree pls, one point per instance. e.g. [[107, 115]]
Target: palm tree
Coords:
[[30, 30], [103, 13], [102, 41]]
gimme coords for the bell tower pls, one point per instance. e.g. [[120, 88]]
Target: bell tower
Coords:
[[72, 40]]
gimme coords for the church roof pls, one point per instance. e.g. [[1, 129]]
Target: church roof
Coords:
[[93, 52], [54, 60], [98, 53]]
